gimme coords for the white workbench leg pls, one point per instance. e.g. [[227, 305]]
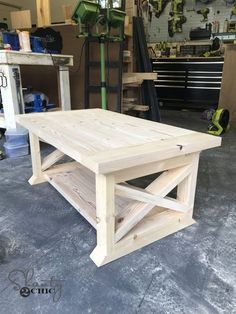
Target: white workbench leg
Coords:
[[64, 87], [105, 209], [12, 97]]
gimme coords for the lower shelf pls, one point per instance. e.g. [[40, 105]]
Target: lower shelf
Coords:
[[77, 184]]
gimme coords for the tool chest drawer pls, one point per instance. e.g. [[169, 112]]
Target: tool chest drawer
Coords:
[[188, 82]]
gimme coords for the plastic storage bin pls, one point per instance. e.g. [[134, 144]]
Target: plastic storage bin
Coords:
[[12, 39], [36, 44], [17, 136], [14, 151]]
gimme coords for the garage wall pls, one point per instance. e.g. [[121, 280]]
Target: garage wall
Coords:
[[56, 12], [44, 78], [5, 11], [158, 30]]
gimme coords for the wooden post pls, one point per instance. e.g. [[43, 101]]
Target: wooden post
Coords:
[[64, 88], [43, 13], [67, 11], [105, 206], [38, 176], [187, 188]]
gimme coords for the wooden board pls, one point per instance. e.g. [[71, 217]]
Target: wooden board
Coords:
[[128, 107], [106, 141], [21, 19], [67, 12], [77, 184], [128, 26], [43, 13], [78, 187], [25, 58], [127, 77], [228, 86]]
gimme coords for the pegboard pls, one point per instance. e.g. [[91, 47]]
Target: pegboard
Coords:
[[158, 29]]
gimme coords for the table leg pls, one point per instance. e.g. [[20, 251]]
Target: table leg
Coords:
[[187, 188], [12, 97], [64, 87], [105, 206], [38, 176], [153, 215]]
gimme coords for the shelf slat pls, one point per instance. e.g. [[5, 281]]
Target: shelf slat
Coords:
[[78, 187]]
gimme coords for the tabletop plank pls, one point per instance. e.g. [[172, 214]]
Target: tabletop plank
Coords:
[[104, 140]]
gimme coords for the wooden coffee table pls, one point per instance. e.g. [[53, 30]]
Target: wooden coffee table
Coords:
[[109, 149]]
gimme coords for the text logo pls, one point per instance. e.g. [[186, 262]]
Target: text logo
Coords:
[[24, 281]]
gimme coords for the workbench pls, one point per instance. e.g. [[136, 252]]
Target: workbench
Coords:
[[11, 85], [108, 150]]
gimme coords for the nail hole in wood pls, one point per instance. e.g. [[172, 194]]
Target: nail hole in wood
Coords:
[[180, 146]]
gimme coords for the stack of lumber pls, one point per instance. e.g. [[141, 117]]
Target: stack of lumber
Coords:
[[135, 80], [148, 90]]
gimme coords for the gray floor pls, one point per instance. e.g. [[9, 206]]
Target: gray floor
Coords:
[[192, 271]]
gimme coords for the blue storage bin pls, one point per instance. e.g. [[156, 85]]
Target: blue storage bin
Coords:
[[12, 39], [36, 44]]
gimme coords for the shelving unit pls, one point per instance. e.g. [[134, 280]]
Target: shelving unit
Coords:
[[132, 80]]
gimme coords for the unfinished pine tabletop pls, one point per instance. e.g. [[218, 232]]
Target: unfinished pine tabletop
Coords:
[[108, 149]]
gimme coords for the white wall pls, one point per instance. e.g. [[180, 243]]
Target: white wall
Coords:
[[158, 30]]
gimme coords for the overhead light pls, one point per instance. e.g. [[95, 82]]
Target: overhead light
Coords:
[[116, 17], [86, 12]]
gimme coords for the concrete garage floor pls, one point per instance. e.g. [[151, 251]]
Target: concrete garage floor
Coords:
[[192, 271]]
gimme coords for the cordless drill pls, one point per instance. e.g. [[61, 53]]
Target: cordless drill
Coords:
[[158, 6], [204, 12]]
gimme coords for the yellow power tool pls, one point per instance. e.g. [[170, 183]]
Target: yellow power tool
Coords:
[[220, 122]]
